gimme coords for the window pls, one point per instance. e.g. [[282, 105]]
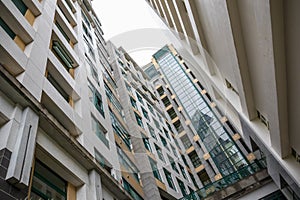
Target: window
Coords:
[[173, 164], [184, 160], [169, 179], [6, 28], [182, 171], [129, 166], [195, 159], [263, 119], [166, 133], [204, 178], [186, 141], [150, 108], [86, 31], [160, 91], [62, 55], [163, 140], [57, 86], [169, 127], [178, 126], [159, 153], [182, 187], [88, 48], [174, 150], [47, 184], [139, 98], [156, 124], [152, 132], [101, 161], [96, 98], [139, 120], [193, 179], [21, 6], [99, 131], [154, 169], [131, 190], [119, 129], [113, 99], [128, 87], [145, 113], [133, 103], [147, 144], [172, 113], [159, 117], [85, 19], [166, 101], [93, 69]]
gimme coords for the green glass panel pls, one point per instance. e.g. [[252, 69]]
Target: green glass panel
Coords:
[[21, 6]]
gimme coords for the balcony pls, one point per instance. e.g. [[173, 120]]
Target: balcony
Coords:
[[55, 104], [246, 177], [67, 12], [65, 28], [11, 56]]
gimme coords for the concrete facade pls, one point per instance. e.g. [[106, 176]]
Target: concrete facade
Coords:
[[149, 128], [243, 52], [54, 124]]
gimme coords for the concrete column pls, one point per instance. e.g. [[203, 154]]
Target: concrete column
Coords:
[[33, 77], [190, 36], [18, 172], [95, 187]]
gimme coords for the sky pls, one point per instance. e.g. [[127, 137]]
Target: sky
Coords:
[[133, 25]]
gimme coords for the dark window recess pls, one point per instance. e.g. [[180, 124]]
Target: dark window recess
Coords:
[[160, 91], [139, 120], [182, 187], [46, 184], [169, 91], [192, 74], [166, 101], [200, 85], [186, 67], [98, 103], [21, 6], [169, 179], [57, 87], [204, 178], [194, 181], [8, 30], [210, 165], [195, 159], [62, 31], [208, 96]]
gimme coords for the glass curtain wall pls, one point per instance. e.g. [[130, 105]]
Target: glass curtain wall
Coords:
[[216, 139]]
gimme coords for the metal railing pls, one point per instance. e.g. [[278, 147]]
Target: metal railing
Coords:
[[226, 181]]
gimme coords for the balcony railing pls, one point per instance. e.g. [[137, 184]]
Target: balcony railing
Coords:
[[227, 180]]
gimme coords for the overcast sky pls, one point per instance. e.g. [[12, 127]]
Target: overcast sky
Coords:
[[132, 24]]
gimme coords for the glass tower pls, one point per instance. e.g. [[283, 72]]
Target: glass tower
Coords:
[[222, 148]]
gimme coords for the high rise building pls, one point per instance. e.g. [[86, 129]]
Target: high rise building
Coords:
[[79, 119], [221, 161], [56, 136], [242, 52], [161, 169]]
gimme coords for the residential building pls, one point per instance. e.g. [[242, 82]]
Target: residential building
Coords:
[[57, 137], [162, 171], [242, 52], [220, 159]]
